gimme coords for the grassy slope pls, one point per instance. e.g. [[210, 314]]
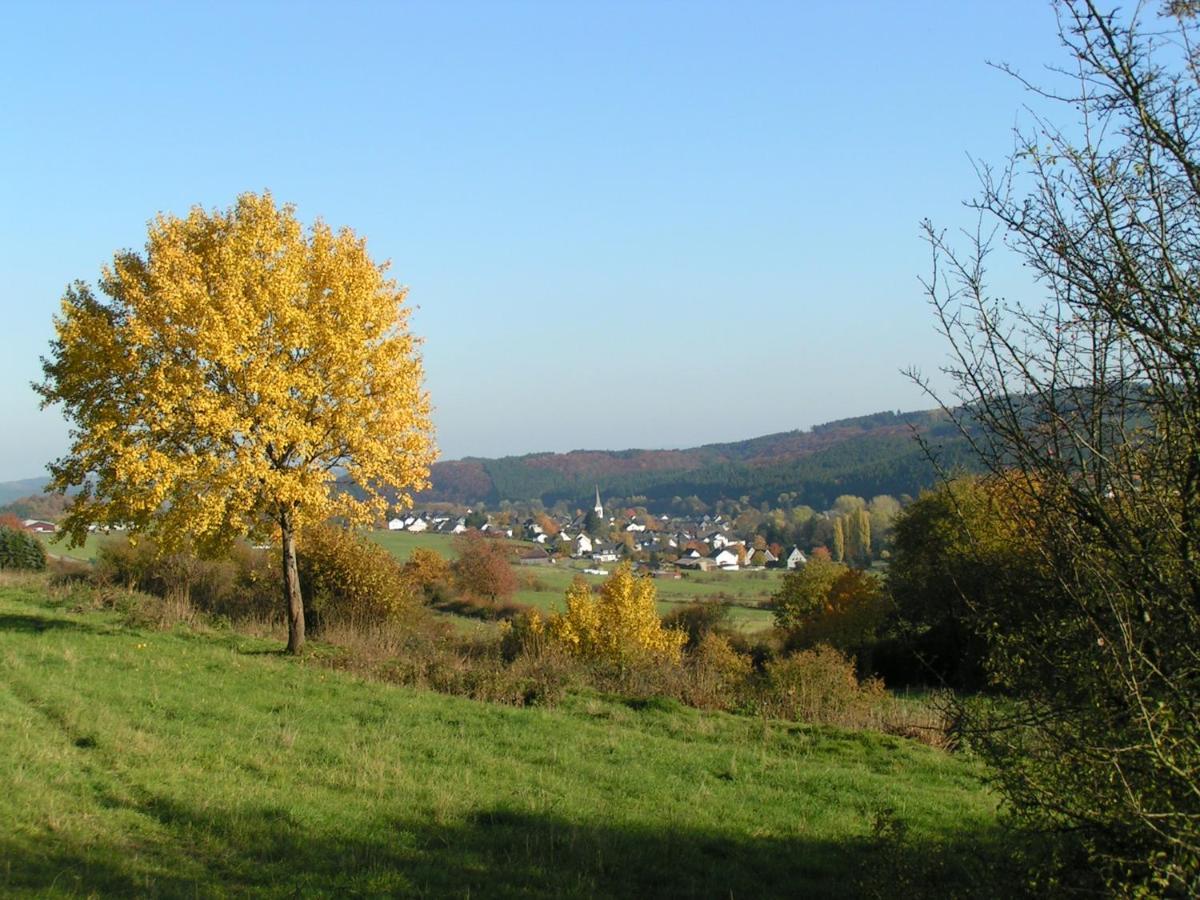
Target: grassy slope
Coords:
[[171, 764]]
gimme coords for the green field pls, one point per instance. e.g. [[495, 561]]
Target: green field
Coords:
[[179, 764], [743, 590], [401, 543], [57, 546], [740, 589]]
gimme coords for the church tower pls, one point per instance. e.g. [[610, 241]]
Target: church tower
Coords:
[[599, 507]]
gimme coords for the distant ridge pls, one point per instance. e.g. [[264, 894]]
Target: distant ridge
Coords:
[[14, 490], [865, 455]]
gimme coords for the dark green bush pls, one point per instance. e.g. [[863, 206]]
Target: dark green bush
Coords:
[[698, 620], [20, 550]]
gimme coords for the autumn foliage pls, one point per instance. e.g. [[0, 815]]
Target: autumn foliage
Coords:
[[427, 571], [348, 578], [482, 569], [234, 373], [619, 624]]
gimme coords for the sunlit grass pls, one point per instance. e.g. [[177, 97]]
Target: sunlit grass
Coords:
[[172, 763]]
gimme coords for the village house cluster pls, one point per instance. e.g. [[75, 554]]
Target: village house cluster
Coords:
[[700, 544]]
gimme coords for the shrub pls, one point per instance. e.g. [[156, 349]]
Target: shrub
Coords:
[[349, 579], [255, 590], [620, 625], [698, 620], [243, 584], [819, 686], [717, 674], [20, 550], [428, 572], [504, 671], [482, 569], [804, 591], [523, 633], [851, 618], [119, 562]]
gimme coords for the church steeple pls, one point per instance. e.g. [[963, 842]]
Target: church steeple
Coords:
[[599, 507]]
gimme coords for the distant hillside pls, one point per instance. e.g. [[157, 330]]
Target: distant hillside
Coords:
[[13, 490], [867, 455]]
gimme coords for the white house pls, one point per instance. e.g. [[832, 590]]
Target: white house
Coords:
[[796, 558], [418, 525], [725, 558], [395, 524], [583, 545]]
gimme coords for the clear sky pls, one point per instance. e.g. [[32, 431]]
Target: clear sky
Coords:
[[642, 224]]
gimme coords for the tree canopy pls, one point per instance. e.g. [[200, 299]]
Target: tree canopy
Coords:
[[232, 378]]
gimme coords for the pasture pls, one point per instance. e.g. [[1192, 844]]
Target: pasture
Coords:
[[185, 763], [544, 586]]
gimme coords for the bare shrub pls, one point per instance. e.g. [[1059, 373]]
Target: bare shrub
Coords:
[[818, 686], [241, 585], [717, 675]]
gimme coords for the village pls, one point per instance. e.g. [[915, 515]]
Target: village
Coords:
[[663, 546]]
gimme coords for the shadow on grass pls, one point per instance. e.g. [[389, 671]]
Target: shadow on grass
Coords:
[[195, 851], [37, 624], [472, 609]]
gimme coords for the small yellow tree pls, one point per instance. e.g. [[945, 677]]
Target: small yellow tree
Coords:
[[237, 372], [621, 624]]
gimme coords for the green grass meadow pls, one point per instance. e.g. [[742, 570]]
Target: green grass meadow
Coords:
[[57, 545], [177, 763], [401, 544], [741, 590]]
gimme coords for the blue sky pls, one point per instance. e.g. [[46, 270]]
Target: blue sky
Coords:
[[623, 224]]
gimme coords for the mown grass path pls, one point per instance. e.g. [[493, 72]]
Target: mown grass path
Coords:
[[179, 764]]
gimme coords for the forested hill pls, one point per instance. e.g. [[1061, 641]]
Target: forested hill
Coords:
[[11, 490], [865, 456]]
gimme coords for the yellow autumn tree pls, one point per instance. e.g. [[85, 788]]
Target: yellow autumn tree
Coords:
[[243, 376], [620, 624]]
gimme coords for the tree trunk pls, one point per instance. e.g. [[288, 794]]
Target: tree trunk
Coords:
[[293, 602]]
